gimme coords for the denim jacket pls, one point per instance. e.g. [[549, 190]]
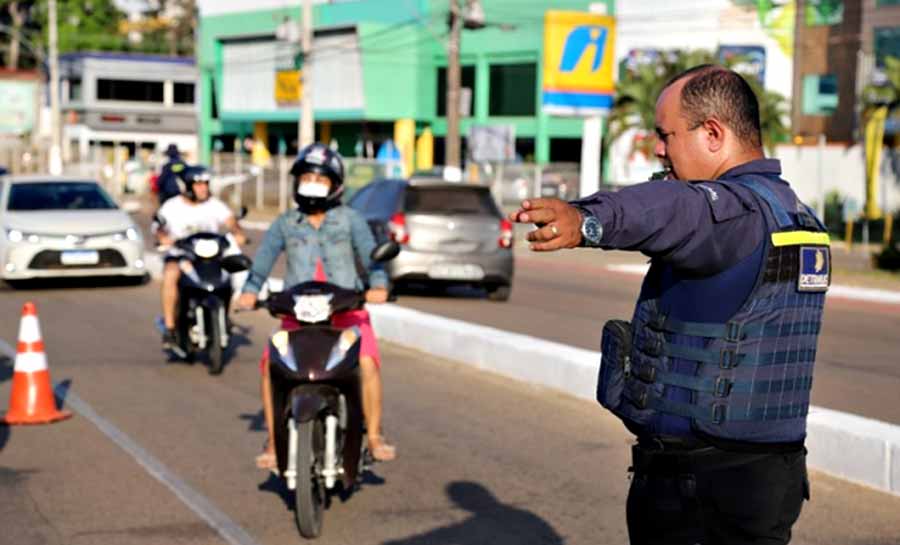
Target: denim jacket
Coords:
[[343, 236]]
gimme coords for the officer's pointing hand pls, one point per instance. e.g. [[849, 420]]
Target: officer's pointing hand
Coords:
[[558, 224]]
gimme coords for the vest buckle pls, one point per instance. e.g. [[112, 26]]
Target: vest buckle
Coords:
[[719, 413], [657, 323], [733, 333], [728, 358], [722, 387], [654, 347], [647, 373]]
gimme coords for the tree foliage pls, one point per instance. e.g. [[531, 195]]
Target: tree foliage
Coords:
[[638, 89]]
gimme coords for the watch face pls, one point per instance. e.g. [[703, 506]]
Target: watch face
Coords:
[[592, 230]]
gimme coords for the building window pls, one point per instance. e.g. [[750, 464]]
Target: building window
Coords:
[[887, 44], [74, 90], [820, 94], [880, 3], [824, 12], [183, 93], [467, 78], [513, 89], [129, 90]]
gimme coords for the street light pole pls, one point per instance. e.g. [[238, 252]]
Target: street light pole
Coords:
[[55, 162], [451, 143], [307, 123]]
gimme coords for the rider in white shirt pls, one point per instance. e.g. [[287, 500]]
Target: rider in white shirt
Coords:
[[194, 211]]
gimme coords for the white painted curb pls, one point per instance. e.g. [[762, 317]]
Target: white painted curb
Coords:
[[848, 446]]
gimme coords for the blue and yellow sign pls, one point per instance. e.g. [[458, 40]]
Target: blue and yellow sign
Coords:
[[578, 63]]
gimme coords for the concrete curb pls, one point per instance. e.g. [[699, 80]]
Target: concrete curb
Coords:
[[848, 446]]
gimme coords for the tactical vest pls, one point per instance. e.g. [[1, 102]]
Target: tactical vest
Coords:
[[752, 373]]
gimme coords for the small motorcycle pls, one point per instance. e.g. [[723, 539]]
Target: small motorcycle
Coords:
[[204, 297], [319, 425]]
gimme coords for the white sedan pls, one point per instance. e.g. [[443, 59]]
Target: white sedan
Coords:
[[53, 227]]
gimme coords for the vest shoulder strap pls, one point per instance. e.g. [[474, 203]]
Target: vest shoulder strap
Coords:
[[782, 217]]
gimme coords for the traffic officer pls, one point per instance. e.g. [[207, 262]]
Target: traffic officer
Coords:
[[168, 177], [714, 371]]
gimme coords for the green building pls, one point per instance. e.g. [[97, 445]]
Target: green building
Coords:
[[376, 62]]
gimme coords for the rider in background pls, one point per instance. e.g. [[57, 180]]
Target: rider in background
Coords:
[[322, 240], [167, 182], [193, 211]]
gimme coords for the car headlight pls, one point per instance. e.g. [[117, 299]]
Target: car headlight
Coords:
[[131, 234], [15, 235]]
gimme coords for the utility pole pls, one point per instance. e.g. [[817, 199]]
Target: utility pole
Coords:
[[55, 166], [307, 123], [451, 142]]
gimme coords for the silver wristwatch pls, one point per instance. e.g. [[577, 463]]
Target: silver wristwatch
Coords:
[[591, 229]]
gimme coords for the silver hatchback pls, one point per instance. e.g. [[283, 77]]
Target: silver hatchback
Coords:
[[449, 233]]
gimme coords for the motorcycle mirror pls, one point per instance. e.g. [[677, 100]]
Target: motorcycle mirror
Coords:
[[385, 251], [236, 263], [159, 220], [243, 213]]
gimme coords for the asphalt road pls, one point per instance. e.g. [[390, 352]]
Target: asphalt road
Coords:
[[482, 459]]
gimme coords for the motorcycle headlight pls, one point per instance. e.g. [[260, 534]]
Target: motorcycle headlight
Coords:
[[206, 248]]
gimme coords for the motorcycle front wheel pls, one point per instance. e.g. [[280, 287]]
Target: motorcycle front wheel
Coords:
[[214, 350], [310, 495]]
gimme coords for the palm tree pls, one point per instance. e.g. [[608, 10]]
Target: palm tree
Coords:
[[638, 89]]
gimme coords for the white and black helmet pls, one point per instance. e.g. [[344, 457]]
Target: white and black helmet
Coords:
[[191, 175], [320, 159]]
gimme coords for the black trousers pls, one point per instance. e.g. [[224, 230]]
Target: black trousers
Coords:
[[709, 496]]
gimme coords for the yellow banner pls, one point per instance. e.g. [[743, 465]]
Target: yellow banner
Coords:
[[288, 88], [579, 52]]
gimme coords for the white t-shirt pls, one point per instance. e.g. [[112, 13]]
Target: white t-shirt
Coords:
[[184, 219]]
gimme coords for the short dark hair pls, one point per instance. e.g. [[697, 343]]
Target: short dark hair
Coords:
[[715, 91]]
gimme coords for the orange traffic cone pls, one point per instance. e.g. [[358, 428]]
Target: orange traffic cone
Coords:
[[32, 396]]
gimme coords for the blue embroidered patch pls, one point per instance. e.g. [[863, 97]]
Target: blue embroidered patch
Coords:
[[815, 269]]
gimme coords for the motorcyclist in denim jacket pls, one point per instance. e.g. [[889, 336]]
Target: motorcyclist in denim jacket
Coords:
[[323, 240]]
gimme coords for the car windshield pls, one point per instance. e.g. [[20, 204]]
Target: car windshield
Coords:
[[58, 196], [450, 200]]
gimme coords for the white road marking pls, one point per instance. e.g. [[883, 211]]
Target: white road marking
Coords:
[[230, 531]]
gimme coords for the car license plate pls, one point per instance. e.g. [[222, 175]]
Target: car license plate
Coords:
[[448, 271], [79, 257]]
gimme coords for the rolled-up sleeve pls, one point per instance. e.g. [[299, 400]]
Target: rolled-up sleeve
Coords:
[[269, 249], [701, 227]]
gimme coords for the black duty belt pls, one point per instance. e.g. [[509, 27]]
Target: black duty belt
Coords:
[[673, 461]]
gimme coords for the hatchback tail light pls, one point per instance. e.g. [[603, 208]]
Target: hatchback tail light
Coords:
[[397, 227], [506, 234]]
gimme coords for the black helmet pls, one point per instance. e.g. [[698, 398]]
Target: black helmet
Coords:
[[320, 159], [191, 175]]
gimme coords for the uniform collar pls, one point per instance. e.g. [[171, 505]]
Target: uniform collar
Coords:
[[770, 167]]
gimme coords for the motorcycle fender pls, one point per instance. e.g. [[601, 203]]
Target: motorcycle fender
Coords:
[[305, 405], [211, 302]]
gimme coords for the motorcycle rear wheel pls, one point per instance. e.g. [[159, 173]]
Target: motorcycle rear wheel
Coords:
[[310, 495]]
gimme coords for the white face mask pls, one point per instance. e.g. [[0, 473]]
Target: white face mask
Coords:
[[312, 190]]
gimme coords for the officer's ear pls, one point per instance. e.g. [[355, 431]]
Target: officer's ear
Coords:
[[714, 131]]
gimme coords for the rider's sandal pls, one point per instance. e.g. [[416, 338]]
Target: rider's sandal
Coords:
[[381, 450]]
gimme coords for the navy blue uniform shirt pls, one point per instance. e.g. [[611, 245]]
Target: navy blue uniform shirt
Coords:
[[696, 230]]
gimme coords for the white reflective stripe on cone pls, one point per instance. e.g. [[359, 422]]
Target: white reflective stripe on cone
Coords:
[[30, 362], [29, 329]]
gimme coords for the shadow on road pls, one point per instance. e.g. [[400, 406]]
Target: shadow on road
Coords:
[[6, 372], [61, 392], [90, 282], [490, 521]]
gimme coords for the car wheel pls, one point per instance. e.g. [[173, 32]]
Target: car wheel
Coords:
[[499, 293]]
